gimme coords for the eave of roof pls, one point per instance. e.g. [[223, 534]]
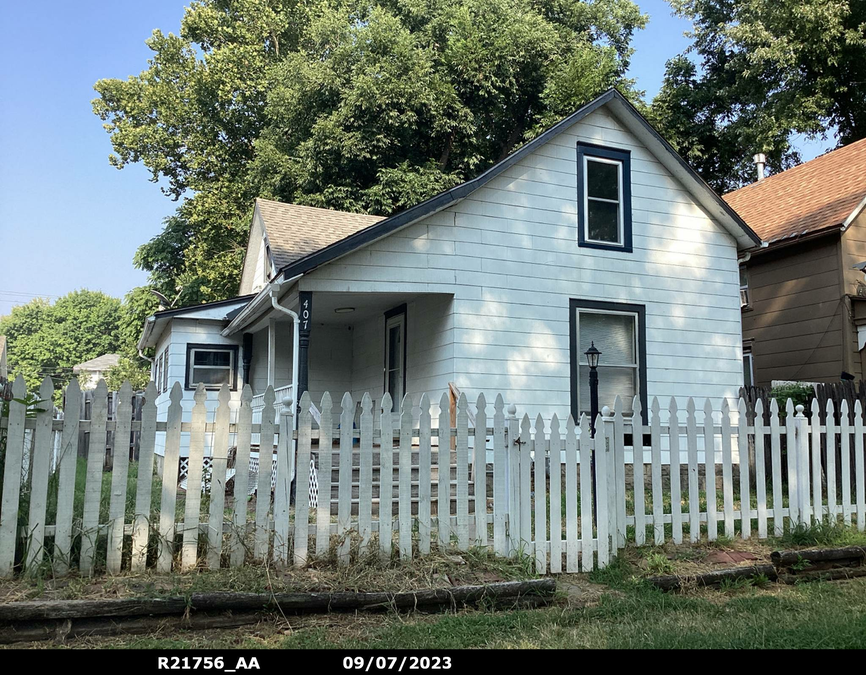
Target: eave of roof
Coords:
[[445, 199], [166, 314]]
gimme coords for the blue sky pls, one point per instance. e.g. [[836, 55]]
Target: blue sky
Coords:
[[68, 219]]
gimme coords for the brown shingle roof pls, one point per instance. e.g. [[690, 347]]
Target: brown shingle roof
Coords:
[[296, 231], [813, 196]]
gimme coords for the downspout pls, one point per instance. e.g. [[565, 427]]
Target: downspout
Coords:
[[295, 348]]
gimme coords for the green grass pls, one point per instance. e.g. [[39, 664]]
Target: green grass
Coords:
[[817, 615]]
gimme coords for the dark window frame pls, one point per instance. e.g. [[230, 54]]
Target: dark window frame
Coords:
[[390, 314], [211, 347], [590, 150], [574, 304]]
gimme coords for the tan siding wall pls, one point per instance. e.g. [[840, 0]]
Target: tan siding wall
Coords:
[[797, 316], [853, 251]]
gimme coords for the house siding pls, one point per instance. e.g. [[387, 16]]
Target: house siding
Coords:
[[508, 253], [797, 317], [180, 333]]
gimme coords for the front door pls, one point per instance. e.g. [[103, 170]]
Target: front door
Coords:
[[395, 358]]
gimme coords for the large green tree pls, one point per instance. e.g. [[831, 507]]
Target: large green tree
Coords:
[[366, 106], [49, 339], [758, 73]]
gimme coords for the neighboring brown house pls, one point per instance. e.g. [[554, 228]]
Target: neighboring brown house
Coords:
[[803, 301]]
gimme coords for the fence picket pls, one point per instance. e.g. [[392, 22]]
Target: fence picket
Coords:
[[404, 494], [831, 431], [168, 501], [525, 489], [860, 494], [539, 462], [601, 466], [500, 479], [727, 470], [817, 505], [586, 496], [425, 462], [66, 479], [572, 498], [792, 458], [619, 468], [776, 450], [743, 458], [555, 497], [365, 475], [326, 448], [344, 500], [760, 469], [12, 477], [93, 483], [462, 487], [242, 477], [675, 462], [480, 454], [283, 483], [656, 459], [266, 468], [845, 428], [40, 468], [443, 468], [192, 506], [694, 496], [710, 472], [302, 492], [386, 476], [218, 468], [119, 471], [638, 473]]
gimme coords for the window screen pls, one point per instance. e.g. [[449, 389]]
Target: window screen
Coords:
[[603, 201], [211, 366], [615, 335]]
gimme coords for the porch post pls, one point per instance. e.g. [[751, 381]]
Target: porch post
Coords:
[[247, 357], [272, 351], [305, 299]]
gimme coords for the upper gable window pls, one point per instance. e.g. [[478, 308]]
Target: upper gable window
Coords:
[[604, 197]]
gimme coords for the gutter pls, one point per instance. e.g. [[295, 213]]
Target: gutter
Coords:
[[250, 311]]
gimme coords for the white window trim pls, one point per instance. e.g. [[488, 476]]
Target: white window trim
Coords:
[[191, 367], [581, 357], [396, 320], [747, 355], [620, 216]]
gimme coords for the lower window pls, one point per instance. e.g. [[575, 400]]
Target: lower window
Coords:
[[618, 331], [211, 365]]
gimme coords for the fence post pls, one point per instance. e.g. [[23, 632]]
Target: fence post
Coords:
[[801, 467], [512, 479]]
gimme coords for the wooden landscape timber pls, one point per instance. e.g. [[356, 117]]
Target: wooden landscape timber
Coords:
[[18, 620], [825, 564]]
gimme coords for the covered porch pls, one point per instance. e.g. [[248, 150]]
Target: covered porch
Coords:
[[359, 343]]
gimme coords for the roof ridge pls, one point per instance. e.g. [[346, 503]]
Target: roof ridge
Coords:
[[317, 208]]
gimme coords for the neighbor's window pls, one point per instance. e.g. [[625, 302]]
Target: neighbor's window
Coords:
[[212, 366], [604, 198], [745, 299], [748, 367]]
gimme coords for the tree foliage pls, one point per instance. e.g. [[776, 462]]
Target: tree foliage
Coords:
[[366, 106], [759, 72], [45, 339]]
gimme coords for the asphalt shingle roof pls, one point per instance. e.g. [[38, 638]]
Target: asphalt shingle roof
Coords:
[[296, 231], [100, 363], [814, 196]]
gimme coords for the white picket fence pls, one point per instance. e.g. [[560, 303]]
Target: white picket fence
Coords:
[[380, 487]]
